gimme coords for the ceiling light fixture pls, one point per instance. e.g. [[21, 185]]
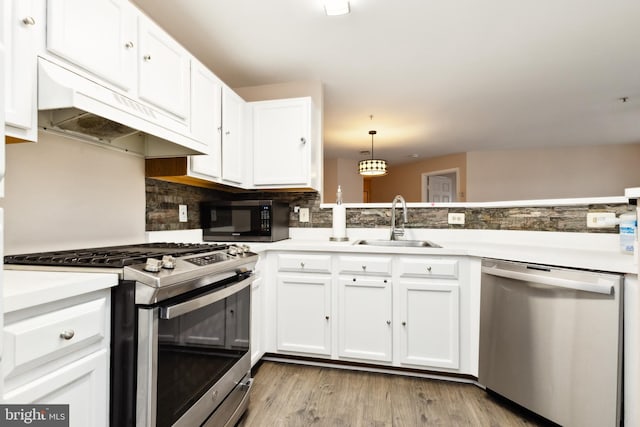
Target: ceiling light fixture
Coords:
[[336, 7], [372, 167]]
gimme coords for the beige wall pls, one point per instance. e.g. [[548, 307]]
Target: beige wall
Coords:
[[343, 172], [406, 179], [65, 194], [592, 171]]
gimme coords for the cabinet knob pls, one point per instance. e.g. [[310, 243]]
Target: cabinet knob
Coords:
[[404, 323], [147, 57], [302, 265], [388, 322], [303, 140], [28, 20], [227, 132], [385, 280], [326, 317], [67, 334], [429, 269], [364, 268], [354, 279], [129, 45]]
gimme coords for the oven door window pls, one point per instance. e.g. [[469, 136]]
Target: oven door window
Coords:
[[196, 349]]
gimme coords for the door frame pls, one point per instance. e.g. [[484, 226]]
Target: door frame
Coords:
[[423, 182]]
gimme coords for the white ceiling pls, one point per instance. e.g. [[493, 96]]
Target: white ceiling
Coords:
[[438, 76]]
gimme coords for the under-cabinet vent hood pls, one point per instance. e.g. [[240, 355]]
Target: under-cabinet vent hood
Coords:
[[80, 108]]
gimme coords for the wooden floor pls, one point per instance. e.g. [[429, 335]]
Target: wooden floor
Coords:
[[289, 395]]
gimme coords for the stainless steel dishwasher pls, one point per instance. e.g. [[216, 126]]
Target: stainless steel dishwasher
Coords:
[[551, 341]]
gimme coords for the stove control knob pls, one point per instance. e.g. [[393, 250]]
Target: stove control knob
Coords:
[[153, 265], [233, 250], [168, 262], [245, 248]]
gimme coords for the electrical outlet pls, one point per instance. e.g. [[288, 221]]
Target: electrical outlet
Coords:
[[304, 215], [456, 218], [601, 219], [182, 213]]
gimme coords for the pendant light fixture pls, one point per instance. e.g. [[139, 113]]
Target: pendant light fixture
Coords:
[[372, 167]]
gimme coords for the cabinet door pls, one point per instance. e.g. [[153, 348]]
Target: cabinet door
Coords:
[[281, 146], [257, 321], [233, 143], [365, 329], [304, 310], [430, 325], [163, 69], [83, 385], [206, 114], [21, 23], [97, 35]]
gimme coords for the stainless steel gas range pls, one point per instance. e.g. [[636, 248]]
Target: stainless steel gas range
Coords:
[[180, 327]]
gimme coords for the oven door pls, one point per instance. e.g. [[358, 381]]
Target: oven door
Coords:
[[192, 352]]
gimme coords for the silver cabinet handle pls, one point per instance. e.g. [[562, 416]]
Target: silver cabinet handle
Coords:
[[147, 57], [364, 268], [303, 140], [28, 20], [429, 269], [302, 265], [227, 132], [129, 45], [67, 334], [388, 322]]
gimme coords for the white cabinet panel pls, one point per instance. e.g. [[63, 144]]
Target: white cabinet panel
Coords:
[[303, 313], [206, 116], [281, 142], [429, 315], [21, 24], [97, 35], [365, 264], [364, 319], [304, 263], [428, 267], [83, 385], [36, 340], [164, 69], [234, 158]]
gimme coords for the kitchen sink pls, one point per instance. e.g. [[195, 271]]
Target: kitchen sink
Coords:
[[399, 243]]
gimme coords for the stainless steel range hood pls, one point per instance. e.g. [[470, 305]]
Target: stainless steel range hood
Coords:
[[77, 107]]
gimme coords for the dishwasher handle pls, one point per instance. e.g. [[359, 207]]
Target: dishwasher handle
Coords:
[[599, 288]]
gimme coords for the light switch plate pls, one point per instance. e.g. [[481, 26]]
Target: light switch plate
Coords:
[[304, 215], [456, 218], [182, 213]]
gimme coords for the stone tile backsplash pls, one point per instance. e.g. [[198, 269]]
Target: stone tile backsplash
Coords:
[[163, 199]]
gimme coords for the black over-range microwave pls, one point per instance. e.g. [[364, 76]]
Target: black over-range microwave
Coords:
[[244, 221]]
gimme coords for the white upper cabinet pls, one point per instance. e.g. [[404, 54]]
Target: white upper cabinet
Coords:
[[164, 69], [206, 116], [234, 159], [21, 23], [97, 35], [282, 143]]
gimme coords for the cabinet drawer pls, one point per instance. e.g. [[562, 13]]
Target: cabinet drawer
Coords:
[[428, 267], [38, 340], [304, 263], [365, 265]]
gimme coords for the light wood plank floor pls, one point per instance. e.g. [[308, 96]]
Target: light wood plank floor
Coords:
[[289, 395]]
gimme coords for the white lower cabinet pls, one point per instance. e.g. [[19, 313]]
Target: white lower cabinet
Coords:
[[58, 353], [304, 313], [83, 385], [257, 321], [429, 324], [364, 318], [411, 311]]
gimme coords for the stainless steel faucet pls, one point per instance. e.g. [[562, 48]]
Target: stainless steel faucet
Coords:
[[395, 232]]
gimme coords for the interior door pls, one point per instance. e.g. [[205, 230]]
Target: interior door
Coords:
[[440, 189]]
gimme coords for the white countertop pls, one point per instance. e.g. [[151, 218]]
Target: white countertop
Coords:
[[591, 251], [23, 289]]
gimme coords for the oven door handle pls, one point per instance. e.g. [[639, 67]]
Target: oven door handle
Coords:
[[175, 310]]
